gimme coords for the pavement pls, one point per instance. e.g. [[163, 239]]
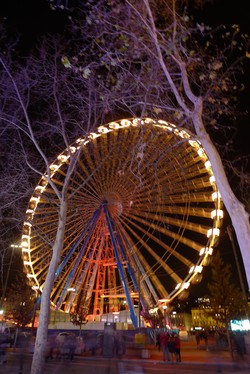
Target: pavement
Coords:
[[193, 359], [204, 357]]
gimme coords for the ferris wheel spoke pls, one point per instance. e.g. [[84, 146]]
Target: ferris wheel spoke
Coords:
[[154, 254], [169, 251], [167, 209], [169, 233], [139, 266], [157, 221]]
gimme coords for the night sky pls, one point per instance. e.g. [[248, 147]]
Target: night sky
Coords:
[[229, 13], [32, 18]]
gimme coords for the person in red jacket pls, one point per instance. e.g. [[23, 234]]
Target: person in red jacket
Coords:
[[164, 338]]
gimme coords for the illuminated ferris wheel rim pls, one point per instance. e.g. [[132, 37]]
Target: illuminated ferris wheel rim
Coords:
[[164, 126]]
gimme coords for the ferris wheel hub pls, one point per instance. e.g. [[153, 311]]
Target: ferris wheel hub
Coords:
[[114, 203]]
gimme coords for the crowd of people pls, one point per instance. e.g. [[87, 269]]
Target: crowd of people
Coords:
[[170, 345], [67, 345]]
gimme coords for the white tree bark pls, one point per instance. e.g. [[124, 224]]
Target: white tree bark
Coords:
[[235, 209], [42, 330]]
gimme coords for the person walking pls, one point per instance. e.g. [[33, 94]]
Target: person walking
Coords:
[[158, 343], [177, 342], [171, 348], [71, 343], [164, 338], [21, 344], [198, 339]]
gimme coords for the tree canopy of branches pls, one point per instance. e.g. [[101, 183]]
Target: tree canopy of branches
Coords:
[[119, 58]]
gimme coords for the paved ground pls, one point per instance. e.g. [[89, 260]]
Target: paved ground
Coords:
[[136, 360]]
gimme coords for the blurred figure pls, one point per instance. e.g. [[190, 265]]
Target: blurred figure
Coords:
[[164, 338], [205, 337], [158, 343], [3, 344], [177, 342], [71, 342], [116, 344], [124, 343], [171, 347], [198, 339], [238, 345], [22, 344], [51, 345], [100, 340]]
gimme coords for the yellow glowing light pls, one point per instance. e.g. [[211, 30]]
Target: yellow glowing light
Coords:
[[212, 179], [198, 269], [201, 152], [28, 263], [216, 196], [213, 232], [62, 158], [25, 241], [103, 129], [54, 167], [208, 251], [114, 125], [208, 165], [125, 123], [217, 213]]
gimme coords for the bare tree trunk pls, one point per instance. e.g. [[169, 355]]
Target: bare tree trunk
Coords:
[[235, 209], [42, 330]]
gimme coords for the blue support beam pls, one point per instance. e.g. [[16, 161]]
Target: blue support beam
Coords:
[[80, 255], [119, 265], [131, 273], [91, 223]]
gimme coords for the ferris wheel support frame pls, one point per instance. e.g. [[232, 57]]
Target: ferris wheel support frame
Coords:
[[120, 268], [84, 246]]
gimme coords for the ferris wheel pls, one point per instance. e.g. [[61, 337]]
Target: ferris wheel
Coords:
[[143, 216]]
